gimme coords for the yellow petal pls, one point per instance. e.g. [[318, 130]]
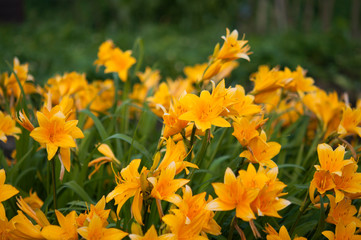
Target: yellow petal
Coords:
[[219, 205], [65, 158], [7, 191], [52, 232], [51, 149]]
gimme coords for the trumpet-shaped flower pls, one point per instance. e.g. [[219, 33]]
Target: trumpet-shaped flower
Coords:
[[33, 200], [342, 212], [23, 228], [67, 229], [272, 234], [330, 160], [105, 52], [55, 133], [260, 151], [119, 62], [96, 231], [233, 194], [151, 234], [204, 112], [348, 183], [233, 48], [343, 232], [165, 186], [129, 185], [245, 130], [24, 121], [350, 122], [6, 192], [7, 127], [176, 153]]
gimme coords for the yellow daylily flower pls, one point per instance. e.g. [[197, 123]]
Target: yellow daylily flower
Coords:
[[165, 186], [342, 212], [175, 152], [24, 121], [105, 52], [204, 112], [150, 78], [55, 133], [195, 73], [96, 231], [6, 191], [272, 234], [7, 127], [351, 119], [233, 48], [67, 229], [33, 200], [119, 62], [330, 160], [151, 234], [260, 151], [129, 185], [343, 232], [232, 194], [245, 130], [24, 229], [98, 162]]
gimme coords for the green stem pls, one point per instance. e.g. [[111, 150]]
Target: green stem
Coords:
[[201, 152], [303, 207], [54, 182], [231, 228]]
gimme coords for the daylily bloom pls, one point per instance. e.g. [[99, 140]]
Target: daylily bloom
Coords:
[[348, 183], [149, 78], [342, 212], [233, 194], [245, 130], [119, 62], [151, 234], [6, 191], [105, 52], [129, 185], [343, 232], [322, 181], [233, 48], [204, 112], [67, 229], [55, 132], [175, 153], [195, 73], [98, 162], [330, 160], [36, 214], [193, 205], [165, 186], [260, 151], [33, 200], [272, 234], [96, 231], [7, 127], [350, 122], [24, 121], [23, 228]]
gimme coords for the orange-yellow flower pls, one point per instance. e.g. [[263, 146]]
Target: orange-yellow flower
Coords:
[[342, 212], [149, 78], [245, 130], [195, 73], [272, 234], [233, 48], [165, 186], [343, 232], [23, 228], [330, 160], [348, 183], [129, 185], [6, 192], [232, 194], [105, 52], [175, 153], [33, 200], [7, 127], [96, 231], [55, 133], [67, 229], [204, 112], [120, 62], [350, 122], [260, 151], [24, 121], [98, 162], [322, 181], [151, 234]]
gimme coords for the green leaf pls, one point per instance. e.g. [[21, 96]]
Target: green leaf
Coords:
[[79, 190], [103, 134], [133, 142]]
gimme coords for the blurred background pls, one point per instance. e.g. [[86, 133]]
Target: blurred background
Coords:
[[57, 36]]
